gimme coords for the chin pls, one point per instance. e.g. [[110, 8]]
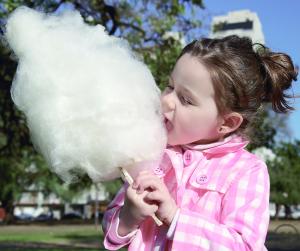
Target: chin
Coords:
[[174, 140], [171, 142]]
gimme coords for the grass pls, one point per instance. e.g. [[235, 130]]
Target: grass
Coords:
[[51, 238], [283, 235], [49, 234]]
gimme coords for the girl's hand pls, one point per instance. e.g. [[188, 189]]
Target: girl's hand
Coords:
[[156, 192], [134, 211]]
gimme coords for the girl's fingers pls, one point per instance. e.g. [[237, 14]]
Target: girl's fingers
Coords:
[[153, 208], [154, 196], [138, 203], [142, 176], [136, 181], [148, 183]]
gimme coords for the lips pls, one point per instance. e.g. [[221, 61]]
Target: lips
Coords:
[[168, 124]]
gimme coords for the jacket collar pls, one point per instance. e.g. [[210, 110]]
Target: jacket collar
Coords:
[[229, 144], [175, 154]]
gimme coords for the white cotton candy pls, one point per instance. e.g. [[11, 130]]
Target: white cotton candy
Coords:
[[90, 104]]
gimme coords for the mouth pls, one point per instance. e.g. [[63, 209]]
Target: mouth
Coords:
[[168, 124]]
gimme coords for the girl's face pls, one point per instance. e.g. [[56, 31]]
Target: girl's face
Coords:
[[188, 104]]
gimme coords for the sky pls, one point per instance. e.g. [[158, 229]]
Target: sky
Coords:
[[281, 27]]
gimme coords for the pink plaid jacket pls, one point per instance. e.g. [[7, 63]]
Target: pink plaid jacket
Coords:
[[222, 191]]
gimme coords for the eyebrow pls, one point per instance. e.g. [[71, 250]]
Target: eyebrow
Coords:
[[184, 89]]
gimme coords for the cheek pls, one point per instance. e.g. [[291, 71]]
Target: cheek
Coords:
[[205, 122], [211, 114]]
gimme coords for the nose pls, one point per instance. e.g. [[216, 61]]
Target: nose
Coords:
[[168, 102]]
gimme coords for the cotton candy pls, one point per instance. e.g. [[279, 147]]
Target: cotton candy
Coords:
[[91, 105]]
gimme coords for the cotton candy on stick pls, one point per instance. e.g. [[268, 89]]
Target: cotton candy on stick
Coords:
[[90, 104]]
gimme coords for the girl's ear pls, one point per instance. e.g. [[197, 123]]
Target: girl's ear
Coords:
[[231, 122]]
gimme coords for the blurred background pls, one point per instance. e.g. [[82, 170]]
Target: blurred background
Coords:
[[40, 212]]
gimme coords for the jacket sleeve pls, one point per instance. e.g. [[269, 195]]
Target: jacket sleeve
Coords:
[[110, 223], [243, 222]]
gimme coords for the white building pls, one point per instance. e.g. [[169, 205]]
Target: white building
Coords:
[[243, 23], [33, 203]]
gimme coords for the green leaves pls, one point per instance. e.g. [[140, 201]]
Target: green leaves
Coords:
[[285, 174]]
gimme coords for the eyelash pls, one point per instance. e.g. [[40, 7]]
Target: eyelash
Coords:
[[185, 101], [170, 87], [182, 99]]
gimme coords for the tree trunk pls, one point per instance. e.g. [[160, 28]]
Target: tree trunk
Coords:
[[277, 208], [8, 205], [287, 210]]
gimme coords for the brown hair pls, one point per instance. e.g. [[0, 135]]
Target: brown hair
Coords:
[[245, 75]]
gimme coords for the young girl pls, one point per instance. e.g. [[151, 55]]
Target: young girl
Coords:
[[209, 191]]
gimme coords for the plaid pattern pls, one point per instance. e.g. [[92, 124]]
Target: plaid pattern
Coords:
[[223, 195]]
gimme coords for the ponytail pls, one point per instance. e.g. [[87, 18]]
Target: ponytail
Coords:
[[279, 73]]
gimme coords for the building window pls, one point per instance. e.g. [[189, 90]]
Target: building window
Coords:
[[224, 26]]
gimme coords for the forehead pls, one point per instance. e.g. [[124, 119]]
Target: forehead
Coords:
[[191, 74]]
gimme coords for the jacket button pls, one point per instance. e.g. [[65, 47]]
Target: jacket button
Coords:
[[202, 179], [188, 157], [158, 171]]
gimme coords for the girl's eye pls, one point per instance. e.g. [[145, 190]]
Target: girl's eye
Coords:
[[185, 101], [169, 88]]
